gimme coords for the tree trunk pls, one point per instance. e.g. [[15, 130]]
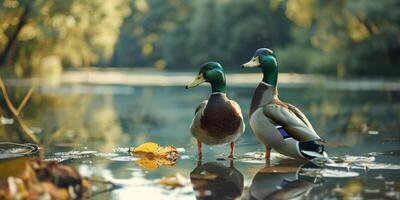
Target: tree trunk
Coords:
[[6, 57]]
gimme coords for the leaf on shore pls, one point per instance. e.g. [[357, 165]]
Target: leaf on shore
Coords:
[[26, 178]]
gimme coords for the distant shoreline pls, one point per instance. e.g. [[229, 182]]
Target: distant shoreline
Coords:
[[148, 77]]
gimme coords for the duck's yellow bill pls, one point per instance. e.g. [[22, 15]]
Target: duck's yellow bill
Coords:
[[197, 81]]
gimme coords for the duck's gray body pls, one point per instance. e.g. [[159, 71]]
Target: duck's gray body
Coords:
[[280, 125]]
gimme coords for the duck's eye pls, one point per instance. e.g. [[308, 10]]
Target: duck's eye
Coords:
[[254, 59]]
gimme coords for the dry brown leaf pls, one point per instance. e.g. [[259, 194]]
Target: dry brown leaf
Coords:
[[17, 167], [173, 181], [35, 179]]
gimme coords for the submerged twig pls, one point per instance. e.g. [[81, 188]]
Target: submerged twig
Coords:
[[15, 112], [54, 135], [24, 101]]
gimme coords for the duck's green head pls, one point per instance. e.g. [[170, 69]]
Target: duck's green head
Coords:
[[213, 73], [266, 60]]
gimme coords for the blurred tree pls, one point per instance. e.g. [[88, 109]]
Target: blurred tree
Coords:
[[78, 32], [362, 36], [342, 37], [188, 33]]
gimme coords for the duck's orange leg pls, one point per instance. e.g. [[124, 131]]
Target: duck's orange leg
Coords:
[[232, 154], [267, 152], [199, 152]]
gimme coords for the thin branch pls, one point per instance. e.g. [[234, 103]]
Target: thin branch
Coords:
[[54, 135], [6, 97], [14, 112], [24, 101]]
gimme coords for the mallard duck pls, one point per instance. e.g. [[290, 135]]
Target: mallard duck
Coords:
[[215, 181], [277, 124], [217, 120], [284, 181]]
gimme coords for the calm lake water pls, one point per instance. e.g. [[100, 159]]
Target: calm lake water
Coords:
[[91, 127]]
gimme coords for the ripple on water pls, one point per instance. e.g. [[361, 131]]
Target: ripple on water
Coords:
[[74, 155], [259, 157], [121, 149], [361, 162], [328, 173], [71, 155], [12, 150], [124, 158]]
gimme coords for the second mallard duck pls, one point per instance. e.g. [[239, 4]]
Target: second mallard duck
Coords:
[[217, 120], [277, 124]]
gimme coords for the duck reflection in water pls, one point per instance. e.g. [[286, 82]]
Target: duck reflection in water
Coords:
[[216, 181], [283, 181]]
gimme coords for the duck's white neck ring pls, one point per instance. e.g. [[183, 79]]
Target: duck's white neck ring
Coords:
[[267, 84], [217, 93]]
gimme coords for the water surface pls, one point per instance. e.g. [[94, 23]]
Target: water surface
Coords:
[[91, 127]]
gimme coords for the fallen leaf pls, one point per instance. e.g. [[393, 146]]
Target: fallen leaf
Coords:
[[151, 149], [154, 163], [27, 178], [17, 167], [148, 147], [153, 155], [148, 164], [173, 182]]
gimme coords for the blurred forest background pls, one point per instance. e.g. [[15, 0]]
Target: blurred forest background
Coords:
[[341, 38]]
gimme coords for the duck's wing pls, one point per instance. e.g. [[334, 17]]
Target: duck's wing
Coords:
[[300, 115], [239, 110], [200, 107], [195, 126], [291, 119]]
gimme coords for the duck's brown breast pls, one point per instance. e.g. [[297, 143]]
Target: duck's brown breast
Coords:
[[220, 119]]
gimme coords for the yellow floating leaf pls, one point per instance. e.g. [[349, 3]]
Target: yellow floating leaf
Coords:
[[166, 162], [148, 164], [148, 147], [154, 163], [169, 152], [154, 150], [153, 155]]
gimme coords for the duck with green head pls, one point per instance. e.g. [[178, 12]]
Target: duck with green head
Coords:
[[277, 124], [217, 120]]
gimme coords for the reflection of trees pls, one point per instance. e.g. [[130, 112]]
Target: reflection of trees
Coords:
[[350, 115], [68, 119], [79, 119]]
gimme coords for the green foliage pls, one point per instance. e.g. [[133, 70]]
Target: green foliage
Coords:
[[340, 37], [78, 32], [188, 33], [361, 37]]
